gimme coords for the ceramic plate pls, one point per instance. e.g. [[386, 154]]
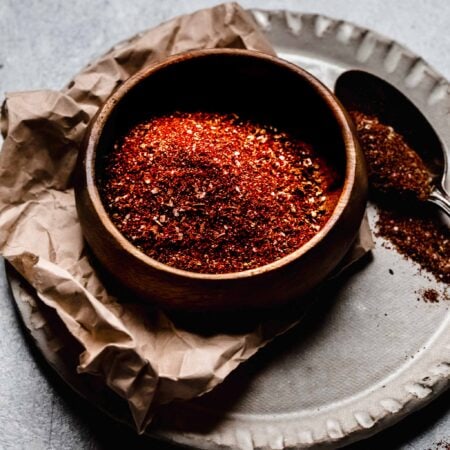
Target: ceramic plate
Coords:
[[368, 354]]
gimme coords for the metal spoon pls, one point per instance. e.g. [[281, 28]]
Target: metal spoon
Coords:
[[361, 91]]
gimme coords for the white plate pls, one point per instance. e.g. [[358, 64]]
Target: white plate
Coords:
[[369, 353]]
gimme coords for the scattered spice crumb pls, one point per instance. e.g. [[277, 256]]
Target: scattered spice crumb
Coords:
[[216, 193], [420, 236], [391, 271], [393, 166], [441, 445], [430, 296]]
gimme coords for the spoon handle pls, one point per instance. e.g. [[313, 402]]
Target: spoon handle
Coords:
[[442, 199]]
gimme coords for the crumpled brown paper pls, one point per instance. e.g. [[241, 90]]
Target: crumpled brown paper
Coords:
[[142, 356]]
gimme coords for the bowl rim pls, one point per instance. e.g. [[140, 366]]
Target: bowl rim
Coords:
[[95, 131]]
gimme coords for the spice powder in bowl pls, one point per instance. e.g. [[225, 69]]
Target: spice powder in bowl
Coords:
[[216, 193], [193, 208]]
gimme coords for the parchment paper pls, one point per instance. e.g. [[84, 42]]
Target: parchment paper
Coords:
[[140, 354]]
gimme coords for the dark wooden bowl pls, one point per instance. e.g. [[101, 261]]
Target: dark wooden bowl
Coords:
[[273, 91]]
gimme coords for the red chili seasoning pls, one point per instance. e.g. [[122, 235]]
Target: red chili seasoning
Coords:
[[393, 166], [214, 193], [419, 236], [429, 295], [442, 445]]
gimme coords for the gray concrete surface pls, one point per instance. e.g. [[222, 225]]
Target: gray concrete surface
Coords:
[[42, 44]]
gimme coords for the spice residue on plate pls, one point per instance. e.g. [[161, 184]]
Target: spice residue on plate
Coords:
[[414, 229], [393, 166], [216, 193], [442, 445], [431, 295], [418, 235]]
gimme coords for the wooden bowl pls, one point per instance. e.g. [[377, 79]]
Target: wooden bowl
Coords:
[[272, 90]]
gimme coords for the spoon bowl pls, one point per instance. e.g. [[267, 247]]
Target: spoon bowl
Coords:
[[369, 94]]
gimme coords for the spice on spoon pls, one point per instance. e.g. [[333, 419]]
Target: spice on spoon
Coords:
[[393, 166], [214, 193]]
